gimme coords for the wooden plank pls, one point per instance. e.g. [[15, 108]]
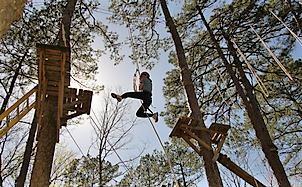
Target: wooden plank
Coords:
[[53, 47], [56, 57], [175, 130], [218, 149], [204, 144], [187, 139], [87, 105], [16, 119], [53, 68], [14, 106], [220, 127], [55, 60], [56, 63], [54, 82], [226, 162]]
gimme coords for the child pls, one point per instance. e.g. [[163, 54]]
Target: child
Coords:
[[145, 94]]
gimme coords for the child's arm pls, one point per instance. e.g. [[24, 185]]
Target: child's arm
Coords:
[[140, 86]]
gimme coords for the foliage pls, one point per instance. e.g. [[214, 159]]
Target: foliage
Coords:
[[85, 170], [214, 86], [154, 169], [41, 24]]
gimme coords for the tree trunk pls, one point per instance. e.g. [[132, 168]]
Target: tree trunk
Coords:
[[212, 172], [46, 144], [252, 108], [48, 132], [27, 154], [254, 113]]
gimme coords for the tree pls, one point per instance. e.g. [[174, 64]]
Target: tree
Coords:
[[211, 168], [115, 126], [154, 169], [18, 50], [85, 172], [143, 17], [205, 50]]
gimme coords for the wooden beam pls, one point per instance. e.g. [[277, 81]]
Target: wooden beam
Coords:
[[14, 106], [205, 145], [226, 162]]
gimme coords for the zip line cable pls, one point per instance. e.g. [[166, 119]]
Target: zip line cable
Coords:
[[75, 141], [155, 131], [259, 81], [88, 159], [273, 55], [294, 34], [96, 125]]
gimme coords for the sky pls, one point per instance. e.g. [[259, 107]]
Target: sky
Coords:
[[111, 75]]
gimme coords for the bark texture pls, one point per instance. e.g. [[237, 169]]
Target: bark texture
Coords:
[[211, 168]]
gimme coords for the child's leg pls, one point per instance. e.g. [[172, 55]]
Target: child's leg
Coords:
[[135, 95], [142, 111]]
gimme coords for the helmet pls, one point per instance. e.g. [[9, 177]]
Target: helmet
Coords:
[[145, 73]]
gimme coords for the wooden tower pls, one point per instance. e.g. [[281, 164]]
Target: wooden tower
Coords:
[[54, 79]]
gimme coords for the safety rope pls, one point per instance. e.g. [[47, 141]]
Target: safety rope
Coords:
[[273, 55], [166, 154], [294, 34], [135, 56], [137, 70], [113, 148], [259, 81], [88, 159]]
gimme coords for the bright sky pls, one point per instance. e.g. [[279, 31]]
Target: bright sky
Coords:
[[121, 75]]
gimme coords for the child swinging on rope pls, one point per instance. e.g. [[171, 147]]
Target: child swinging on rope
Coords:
[[145, 94]]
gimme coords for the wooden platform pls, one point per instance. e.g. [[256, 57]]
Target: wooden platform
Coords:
[[76, 102], [188, 128], [53, 61], [54, 79]]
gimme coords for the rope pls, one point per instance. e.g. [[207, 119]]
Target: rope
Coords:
[[162, 147], [80, 150], [133, 50], [294, 34], [75, 141], [259, 81], [226, 89], [137, 70], [113, 147], [273, 55]]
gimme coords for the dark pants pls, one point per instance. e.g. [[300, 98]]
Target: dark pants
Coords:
[[147, 100]]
